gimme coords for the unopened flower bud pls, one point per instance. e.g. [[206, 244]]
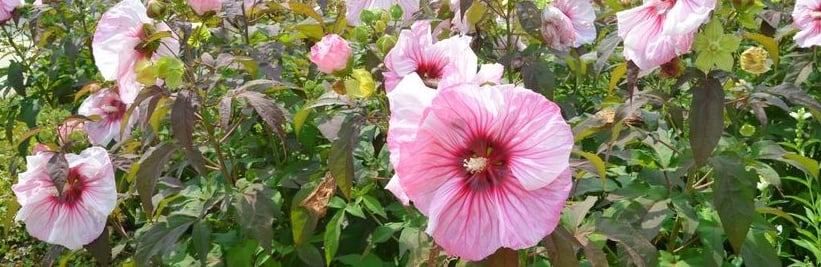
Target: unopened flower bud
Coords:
[[156, 9], [396, 12]]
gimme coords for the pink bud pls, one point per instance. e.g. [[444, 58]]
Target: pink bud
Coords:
[[331, 54], [204, 6]]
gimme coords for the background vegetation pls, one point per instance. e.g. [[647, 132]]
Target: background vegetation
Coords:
[[692, 168]]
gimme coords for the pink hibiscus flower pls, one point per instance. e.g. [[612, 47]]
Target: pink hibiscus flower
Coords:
[[488, 165], [806, 17], [78, 215], [119, 32], [331, 54], [204, 6], [440, 64], [7, 8], [568, 23], [355, 7], [107, 105], [659, 30]]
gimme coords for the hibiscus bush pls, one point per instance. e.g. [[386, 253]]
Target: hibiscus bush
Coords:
[[410, 133]]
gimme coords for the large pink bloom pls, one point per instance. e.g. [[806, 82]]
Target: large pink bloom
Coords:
[[118, 33], [568, 23], [204, 6], [76, 217], [355, 7], [659, 30], [7, 7], [331, 54], [107, 105], [488, 165], [440, 64], [806, 17]]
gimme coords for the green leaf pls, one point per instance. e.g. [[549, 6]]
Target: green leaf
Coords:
[[256, 211], [355, 210], [733, 197], [758, 252], [161, 238], [151, 166], [242, 254], [706, 118], [8, 218], [332, 232], [374, 206], [201, 238], [14, 78], [340, 158], [768, 42], [808, 165], [171, 70], [595, 160], [299, 119], [384, 232], [304, 9], [309, 255], [303, 222]]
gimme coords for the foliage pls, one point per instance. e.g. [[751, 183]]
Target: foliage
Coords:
[[248, 155]]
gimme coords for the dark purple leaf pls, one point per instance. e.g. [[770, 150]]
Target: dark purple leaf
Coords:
[[795, 95], [503, 257], [161, 238], [267, 110], [530, 18], [561, 247], [640, 250], [100, 249], [182, 118], [733, 197], [225, 111], [706, 118], [58, 170], [151, 166], [340, 158], [537, 76], [605, 48], [15, 79], [256, 211]]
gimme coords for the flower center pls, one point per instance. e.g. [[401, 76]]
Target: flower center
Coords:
[[430, 74], [484, 164], [815, 14], [475, 164], [113, 109], [662, 6], [73, 189]]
